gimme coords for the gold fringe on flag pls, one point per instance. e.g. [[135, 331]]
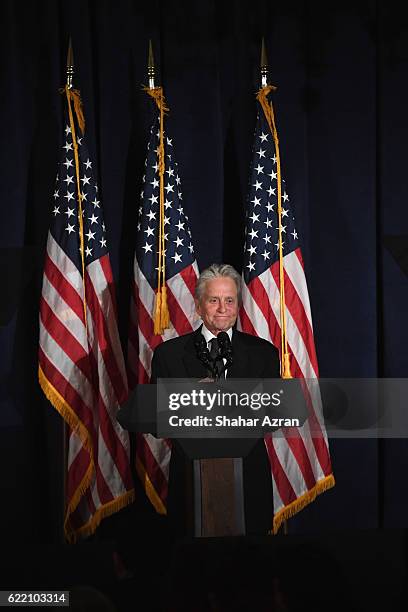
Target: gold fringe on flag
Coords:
[[76, 425], [301, 502], [267, 107], [161, 310], [103, 512], [65, 410], [149, 488]]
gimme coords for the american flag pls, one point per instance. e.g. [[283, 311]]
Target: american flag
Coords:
[[81, 365], [153, 454], [300, 464]]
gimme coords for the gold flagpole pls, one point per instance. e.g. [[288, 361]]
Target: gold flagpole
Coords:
[[73, 97], [70, 74]]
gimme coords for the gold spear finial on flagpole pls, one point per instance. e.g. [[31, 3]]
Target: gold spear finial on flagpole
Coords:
[[264, 65], [150, 66], [70, 64]]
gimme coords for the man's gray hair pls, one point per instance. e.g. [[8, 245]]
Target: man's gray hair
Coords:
[[217, 271]]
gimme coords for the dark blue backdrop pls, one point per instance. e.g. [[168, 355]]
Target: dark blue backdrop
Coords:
[[341, 107]]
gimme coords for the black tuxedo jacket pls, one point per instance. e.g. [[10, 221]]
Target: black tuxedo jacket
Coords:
[[252, 358]]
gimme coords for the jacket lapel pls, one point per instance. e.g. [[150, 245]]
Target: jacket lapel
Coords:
[[240, 359]]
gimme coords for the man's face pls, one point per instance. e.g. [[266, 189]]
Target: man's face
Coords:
[[218, 306]]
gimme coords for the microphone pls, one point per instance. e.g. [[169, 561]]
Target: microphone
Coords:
[[225, 345], [203, 354]]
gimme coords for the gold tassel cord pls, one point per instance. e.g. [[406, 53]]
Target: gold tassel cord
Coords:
[[161, 311], [74, 96], [267, 108]]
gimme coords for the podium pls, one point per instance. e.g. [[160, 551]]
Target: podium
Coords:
[[214, 483]]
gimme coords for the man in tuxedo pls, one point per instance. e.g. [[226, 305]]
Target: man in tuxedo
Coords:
[[217, 299]]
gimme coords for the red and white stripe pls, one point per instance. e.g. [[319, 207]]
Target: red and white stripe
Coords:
[[82, 372], [300, 462], [153, 454]]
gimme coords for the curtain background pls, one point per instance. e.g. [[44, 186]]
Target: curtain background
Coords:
[[341, 108]]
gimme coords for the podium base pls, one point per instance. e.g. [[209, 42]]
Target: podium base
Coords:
[[218, 497]]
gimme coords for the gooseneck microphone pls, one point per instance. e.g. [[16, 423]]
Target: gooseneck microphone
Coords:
[[203, 354], [225, 345]]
